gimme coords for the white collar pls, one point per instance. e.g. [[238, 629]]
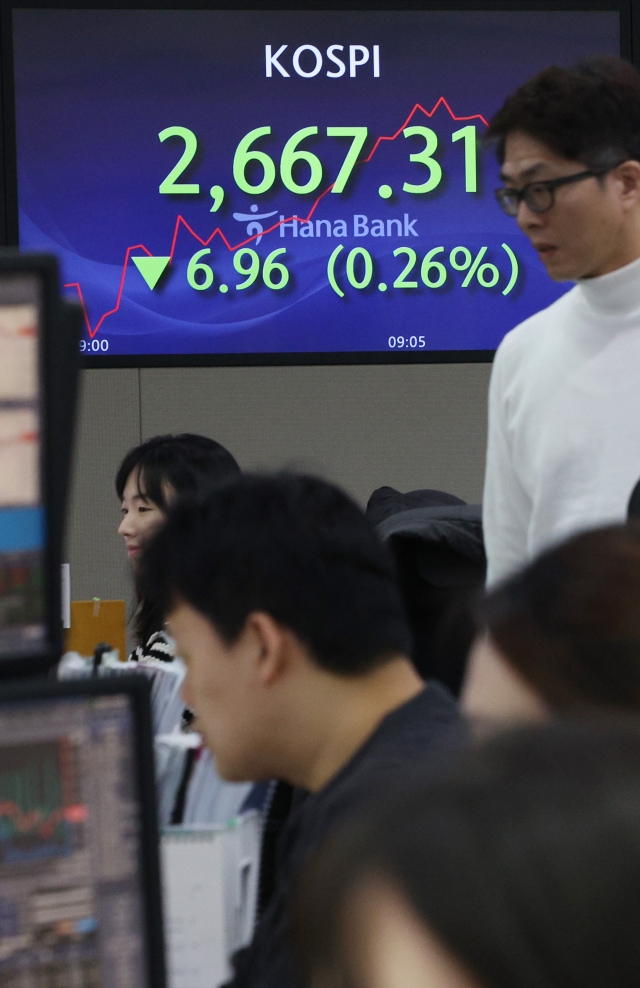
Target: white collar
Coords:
[[615, 293]]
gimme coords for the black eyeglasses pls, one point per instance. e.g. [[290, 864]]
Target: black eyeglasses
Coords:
[[539, 196]]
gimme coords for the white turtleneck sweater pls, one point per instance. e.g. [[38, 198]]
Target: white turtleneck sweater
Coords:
[[564, 420]]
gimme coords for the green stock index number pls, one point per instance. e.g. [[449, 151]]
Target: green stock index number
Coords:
[[292, 154], [274, 273]]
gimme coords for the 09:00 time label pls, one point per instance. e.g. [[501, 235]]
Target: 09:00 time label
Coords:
[[94, 346]]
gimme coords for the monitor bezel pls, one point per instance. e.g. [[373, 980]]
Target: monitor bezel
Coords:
[[629, 11], [138, 688]]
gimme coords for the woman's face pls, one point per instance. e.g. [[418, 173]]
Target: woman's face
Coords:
[[387, 945], [141, 517]]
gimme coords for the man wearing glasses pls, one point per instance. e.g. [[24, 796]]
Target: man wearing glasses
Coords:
[[564, 402]]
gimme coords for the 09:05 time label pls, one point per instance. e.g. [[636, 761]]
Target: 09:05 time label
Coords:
[[406, 342]]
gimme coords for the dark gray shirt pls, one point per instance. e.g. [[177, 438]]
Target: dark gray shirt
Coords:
[[428, 722]]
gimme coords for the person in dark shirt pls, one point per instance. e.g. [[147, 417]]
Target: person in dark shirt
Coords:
[[283, 603], [518, 867]]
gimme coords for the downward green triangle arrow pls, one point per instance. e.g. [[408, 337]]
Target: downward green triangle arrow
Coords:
[[151, 268]]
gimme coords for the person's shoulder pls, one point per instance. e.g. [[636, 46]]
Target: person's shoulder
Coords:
[[158, 646], [431, 718], [535, 334], [428, 723], [426, 727]]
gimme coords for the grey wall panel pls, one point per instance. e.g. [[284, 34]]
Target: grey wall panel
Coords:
[[408, 426], [108, 425]]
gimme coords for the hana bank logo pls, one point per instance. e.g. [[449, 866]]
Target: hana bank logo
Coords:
[[253, 226]]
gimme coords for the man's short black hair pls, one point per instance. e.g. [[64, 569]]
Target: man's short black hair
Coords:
[[292, 546], [589, 113]]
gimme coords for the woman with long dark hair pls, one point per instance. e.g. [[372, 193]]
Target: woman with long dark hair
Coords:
[[150, 478]]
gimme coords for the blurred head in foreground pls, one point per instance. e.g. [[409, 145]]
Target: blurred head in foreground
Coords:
[[283, 604], [563, 635], [518, 869]]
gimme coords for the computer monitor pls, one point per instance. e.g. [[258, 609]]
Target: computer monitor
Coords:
[[38, 377], [79, 878], [23, 517]]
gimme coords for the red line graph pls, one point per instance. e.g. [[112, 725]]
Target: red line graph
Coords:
[[180, 220], [35, 820]]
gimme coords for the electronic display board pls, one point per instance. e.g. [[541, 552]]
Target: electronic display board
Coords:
[[246, 186]]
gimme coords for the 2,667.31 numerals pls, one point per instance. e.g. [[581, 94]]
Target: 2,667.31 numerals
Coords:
[[298, 163]]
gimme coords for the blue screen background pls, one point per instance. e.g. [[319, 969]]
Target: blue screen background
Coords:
[[94, 88]]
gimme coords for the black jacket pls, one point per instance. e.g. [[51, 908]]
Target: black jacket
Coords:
[[436, 541], [425, 724]]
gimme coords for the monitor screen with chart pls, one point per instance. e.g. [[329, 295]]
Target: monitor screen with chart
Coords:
[[23, 607], [77, 833], [239, 185]]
